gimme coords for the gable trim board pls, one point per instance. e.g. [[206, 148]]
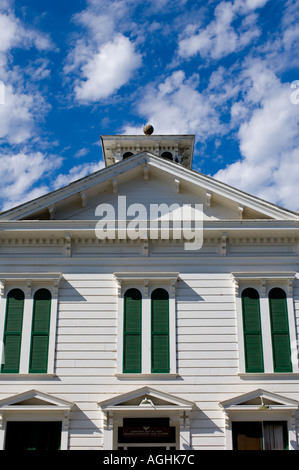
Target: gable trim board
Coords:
[[147, 402], [47, 402], [170, 401], [154, 163]]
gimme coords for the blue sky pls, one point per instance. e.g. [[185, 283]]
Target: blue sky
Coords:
[[73, 70]]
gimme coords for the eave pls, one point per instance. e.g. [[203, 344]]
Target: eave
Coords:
[[173, 171]]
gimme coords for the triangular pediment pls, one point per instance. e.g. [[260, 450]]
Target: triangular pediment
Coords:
[[259, 400], [34, 399], [147, 177], [146, 398]]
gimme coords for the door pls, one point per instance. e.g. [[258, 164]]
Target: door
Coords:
[[33, 435]]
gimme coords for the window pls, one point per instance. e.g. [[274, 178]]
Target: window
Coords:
[[28, 317], [127, 155], [40, 331], [266, 323], [260, 435], [146, 327], [132, 331], [280, 331], [167, 155], [252, 331], [160, 330], [13, 331]]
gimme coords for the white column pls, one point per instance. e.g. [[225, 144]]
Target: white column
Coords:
[[108, 431], [146, 333], [120, 330], [2, 432], [52, 330], [172, 335], [185, 437], [26, 334], [65, 431], [240, 331], [266, 334], [292, 330], [2, 320]]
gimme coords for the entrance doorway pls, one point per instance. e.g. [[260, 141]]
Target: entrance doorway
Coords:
[[33, 435]]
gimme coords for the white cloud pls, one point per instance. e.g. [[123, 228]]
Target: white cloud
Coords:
[[81, 153], [104, 58], [19, 172], [220, 37], [23, 105], [268, 139], [17, 115], [108, 70], [14, 34], [176, 107], [76, 173]]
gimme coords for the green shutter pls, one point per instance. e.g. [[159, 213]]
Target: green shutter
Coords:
[[280, 331], [40, 332], [13, 331], [132, 332], [160, 331], [252, 331]]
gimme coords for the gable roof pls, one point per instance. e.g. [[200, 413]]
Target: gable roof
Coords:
[[147, 163], [34, 400], [259, 400], [146, 398]]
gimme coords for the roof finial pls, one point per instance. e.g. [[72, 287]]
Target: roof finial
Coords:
[[148, 129]]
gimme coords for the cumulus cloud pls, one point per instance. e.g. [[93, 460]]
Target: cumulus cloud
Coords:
[[18, 114], [76, 173], [19, 172], [105, 58], [221, 37], [175, 106], [268, 139], [14, 34], [22, 104], [108, 70]]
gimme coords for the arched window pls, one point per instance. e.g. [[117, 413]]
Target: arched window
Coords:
[[13, 331], [252, 331], [132, 331], [127, 155], [160, 331], [280, 330], [40, 331], [167, 155]]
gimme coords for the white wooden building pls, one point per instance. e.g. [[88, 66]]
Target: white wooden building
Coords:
[[116, 341]]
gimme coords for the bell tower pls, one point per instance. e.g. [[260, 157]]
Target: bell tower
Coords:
[[176, 148]]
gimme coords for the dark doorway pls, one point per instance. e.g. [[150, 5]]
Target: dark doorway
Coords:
[[33, 435]]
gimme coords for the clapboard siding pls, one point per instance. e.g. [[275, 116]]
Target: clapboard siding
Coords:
[[206, 341]]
